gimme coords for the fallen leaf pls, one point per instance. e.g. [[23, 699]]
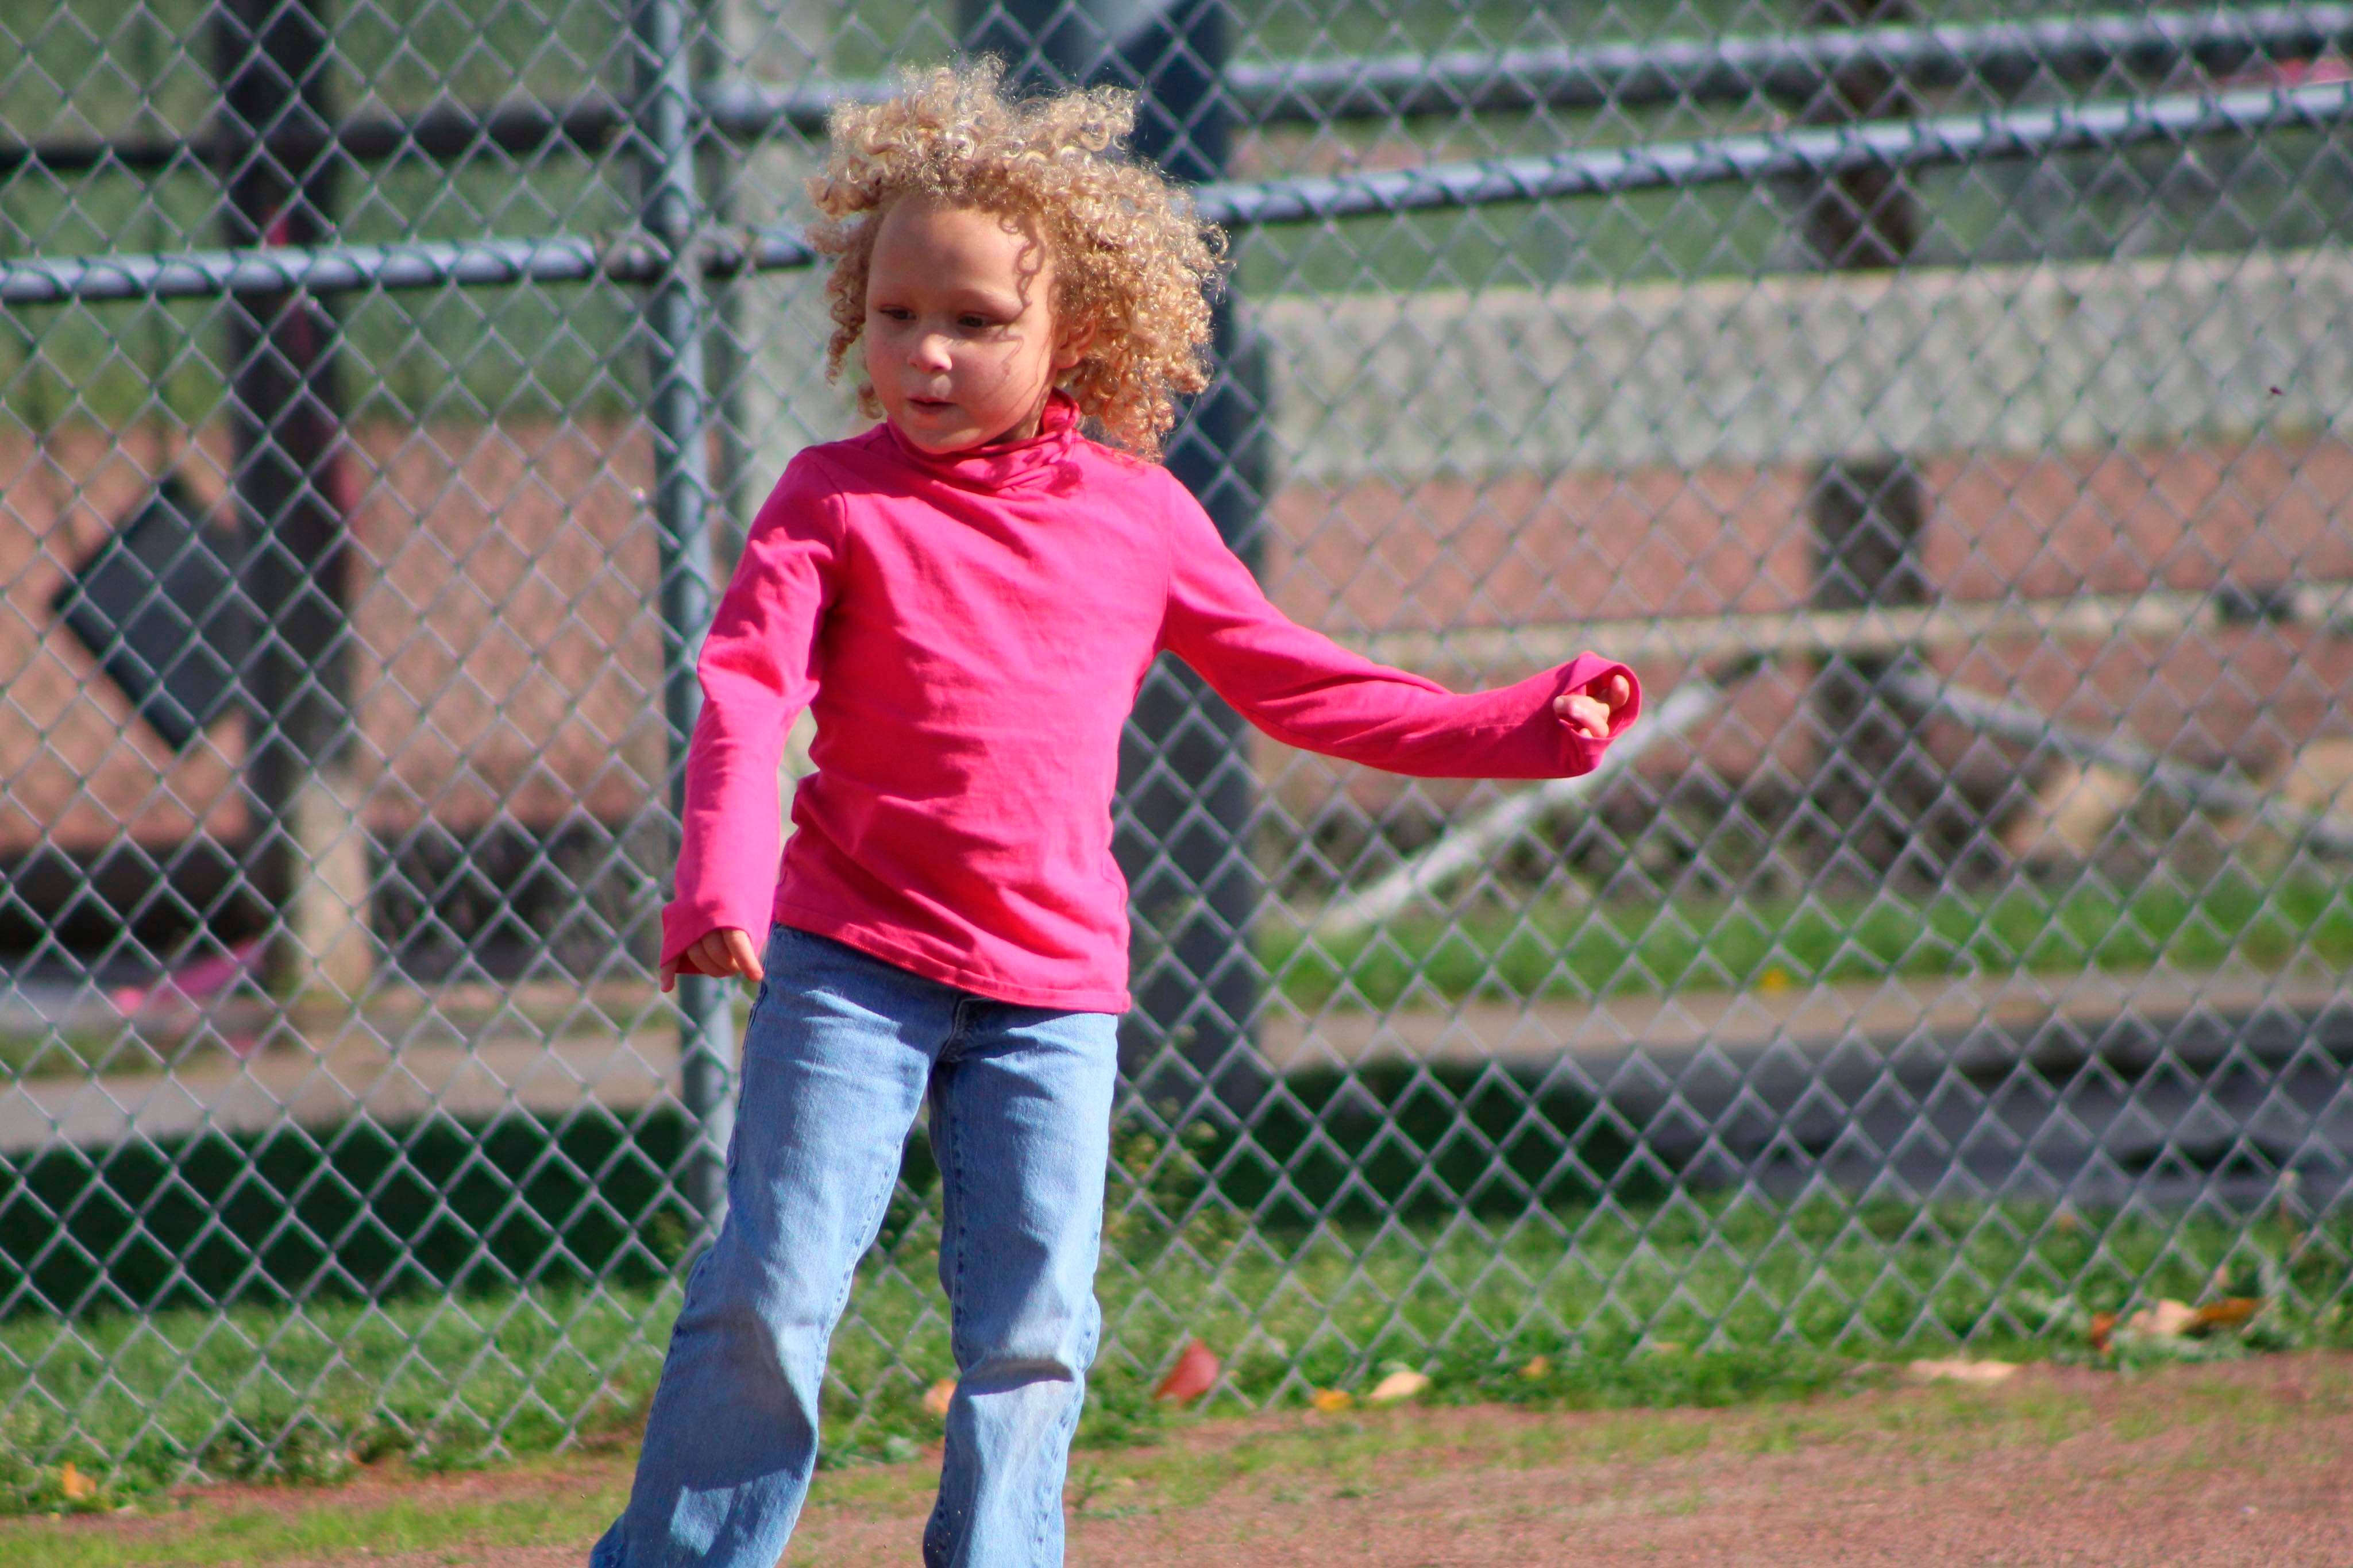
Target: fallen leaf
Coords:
[[1961, 1371], [2227, 1313], [936, 1397], [1195, 1373], [1396, 1385], [1775, 981], [1538, 1366], [1331, 1401], [2104, 1325], [77, 1487], [2168, 1319]]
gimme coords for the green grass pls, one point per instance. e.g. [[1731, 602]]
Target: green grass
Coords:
[[239, 1537], [1707, 1302], [1685, 944]]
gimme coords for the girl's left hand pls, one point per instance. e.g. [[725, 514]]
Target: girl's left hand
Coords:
[[1590, 709], [718, 954]]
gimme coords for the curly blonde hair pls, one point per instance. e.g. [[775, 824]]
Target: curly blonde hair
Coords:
[[1131, 260]]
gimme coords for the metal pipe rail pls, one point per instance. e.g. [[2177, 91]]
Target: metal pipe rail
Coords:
[[1812, 153], [2000, 57], [2325, 608]]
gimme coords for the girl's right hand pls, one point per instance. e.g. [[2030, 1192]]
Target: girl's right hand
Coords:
[[718, 954]]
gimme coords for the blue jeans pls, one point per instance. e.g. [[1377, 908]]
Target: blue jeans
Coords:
[[837, 1058]]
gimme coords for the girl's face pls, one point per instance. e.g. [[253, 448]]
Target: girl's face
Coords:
[[960, 338]]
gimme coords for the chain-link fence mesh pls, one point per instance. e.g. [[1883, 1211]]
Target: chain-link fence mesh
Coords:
[[1949, 423]]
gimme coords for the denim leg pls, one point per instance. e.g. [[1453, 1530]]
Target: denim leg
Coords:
[[835, 1060], [1021, 1123]]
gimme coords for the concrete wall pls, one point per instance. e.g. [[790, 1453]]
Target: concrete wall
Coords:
[[1787, 368]]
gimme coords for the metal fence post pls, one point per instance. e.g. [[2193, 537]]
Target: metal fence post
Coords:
[[676, 328], [309, 856], [1191, 800], [726, 364], [1867, 509]]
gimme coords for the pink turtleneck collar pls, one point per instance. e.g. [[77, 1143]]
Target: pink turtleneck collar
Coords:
[[1001, 464]]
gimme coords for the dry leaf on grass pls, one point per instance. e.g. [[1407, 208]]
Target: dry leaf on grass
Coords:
[[1961, 1371], [2168, 1319], [1396, 1385], [2230, 1312], [936, 1397], [77, 1487], [1538, 1366], [1331, 1401], [1195, 1373]]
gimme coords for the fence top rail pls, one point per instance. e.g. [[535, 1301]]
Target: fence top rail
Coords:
[[2323, 606], [2003, 56], [2000, 55], [1810, 153]]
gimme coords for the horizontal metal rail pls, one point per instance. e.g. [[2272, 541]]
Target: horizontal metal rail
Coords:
[[2000, 57], [1810, 153], [1896, 144], [446, 132], [347, 268], [2321, 606]]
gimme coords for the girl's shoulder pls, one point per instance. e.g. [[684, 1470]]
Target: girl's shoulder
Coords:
[[1116, 467], [849, 461]]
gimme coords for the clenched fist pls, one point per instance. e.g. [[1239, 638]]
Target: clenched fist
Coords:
[[1591, 708], [717, 953]]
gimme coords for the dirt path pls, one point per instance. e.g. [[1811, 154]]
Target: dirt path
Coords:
[[2239, 1464]]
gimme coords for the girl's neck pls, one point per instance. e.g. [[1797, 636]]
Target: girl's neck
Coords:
[[1025, 428], [1026, 450]]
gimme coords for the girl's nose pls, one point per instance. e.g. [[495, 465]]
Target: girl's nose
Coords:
[[930, 350]]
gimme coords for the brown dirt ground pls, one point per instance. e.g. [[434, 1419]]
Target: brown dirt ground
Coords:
[[2248, 1463]]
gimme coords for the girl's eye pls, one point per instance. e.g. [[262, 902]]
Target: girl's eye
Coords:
[[976, 323]]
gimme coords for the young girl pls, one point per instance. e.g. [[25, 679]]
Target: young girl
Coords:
[[969, 595]]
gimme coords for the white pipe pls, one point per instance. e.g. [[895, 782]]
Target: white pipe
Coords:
[[1461, 848]]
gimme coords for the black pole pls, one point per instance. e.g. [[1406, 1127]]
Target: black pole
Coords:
[[1188, 794], [309, 859], [1873, 789]]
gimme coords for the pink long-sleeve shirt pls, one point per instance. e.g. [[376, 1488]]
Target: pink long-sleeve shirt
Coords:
[[971, 631]]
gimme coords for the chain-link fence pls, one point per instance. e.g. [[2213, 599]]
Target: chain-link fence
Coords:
[[1949, 421]]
